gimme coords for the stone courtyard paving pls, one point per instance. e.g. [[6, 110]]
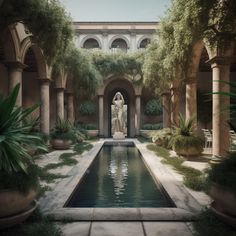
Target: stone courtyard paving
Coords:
[[143, 227]]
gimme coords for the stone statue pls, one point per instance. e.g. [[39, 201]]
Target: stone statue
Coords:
[[118, 101]]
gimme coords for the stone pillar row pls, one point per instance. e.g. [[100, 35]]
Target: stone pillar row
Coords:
[[15, 70], [137, 113]]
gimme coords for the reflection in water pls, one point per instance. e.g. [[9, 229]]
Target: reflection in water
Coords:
[[118, 169], [118, 178]]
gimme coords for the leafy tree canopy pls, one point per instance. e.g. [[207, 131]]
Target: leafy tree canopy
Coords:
[[47, 20]]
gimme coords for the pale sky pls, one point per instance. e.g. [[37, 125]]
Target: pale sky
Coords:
[[116, 10]]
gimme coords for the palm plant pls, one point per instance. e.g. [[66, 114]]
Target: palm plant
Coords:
[[184, 141], [63, 130], [14, 135]]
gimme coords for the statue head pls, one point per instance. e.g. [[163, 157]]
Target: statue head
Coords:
[[118, 95]]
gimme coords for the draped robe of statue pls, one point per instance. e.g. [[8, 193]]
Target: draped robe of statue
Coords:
[[118, 102]]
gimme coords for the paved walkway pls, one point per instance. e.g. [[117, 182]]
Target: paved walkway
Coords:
[[127, 229]]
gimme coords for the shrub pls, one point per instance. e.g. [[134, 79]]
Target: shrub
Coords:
[[224, 173], [87, 108], [162, 137], [153, 108], [153, 126]]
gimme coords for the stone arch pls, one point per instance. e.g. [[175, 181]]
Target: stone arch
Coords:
[[88, 37], [111, 86], [11, 44], [44, 71], [119, 37], [142, 40]]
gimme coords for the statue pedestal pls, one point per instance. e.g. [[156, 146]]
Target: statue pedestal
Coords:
[[118, 136]]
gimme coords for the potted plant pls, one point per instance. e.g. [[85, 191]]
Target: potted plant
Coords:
[[91, 130], [222, 175], [162, 137], [184, 141], [148, 129], [18, 174], [63, 135]]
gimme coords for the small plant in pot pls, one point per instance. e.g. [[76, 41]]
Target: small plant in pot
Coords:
[[63, 135], [91, 130], [184, 140], [18, 174]]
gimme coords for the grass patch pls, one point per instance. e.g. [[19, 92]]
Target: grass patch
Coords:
[[79, 148], [36, 225], [48, 177], [193, 178], [208, 224]]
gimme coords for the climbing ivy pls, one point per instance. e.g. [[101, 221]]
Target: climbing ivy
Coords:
[[50, 25], [186, 22]]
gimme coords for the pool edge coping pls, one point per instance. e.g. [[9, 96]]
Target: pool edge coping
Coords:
[[186, 205]]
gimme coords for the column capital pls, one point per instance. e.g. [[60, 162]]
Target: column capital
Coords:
[[45, 80], [15, 65], [60, 89], [191, 81], [220, 61]]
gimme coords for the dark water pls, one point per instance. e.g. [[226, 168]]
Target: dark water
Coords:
[[118, 178]]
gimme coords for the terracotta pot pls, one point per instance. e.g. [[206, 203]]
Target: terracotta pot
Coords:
[[189, 152], [60, 144], [13, 202], [6, 222], [224, 199], [92, 133]]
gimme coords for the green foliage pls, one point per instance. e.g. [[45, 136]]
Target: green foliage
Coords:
[[46, 20], [79, 148], [162, 137], [20, 181], [79, 66], [208, 224], [63, 130], [153, 108], [183, 136], [170, 54], [118, 63], [193, 178], [87, 108], [14, 135], [36, 225], [153, 126], [224, 173]]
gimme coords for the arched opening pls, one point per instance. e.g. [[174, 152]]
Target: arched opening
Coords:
[[91, 43], [119, 45], [144, 43], [30, 81], [126, 89], [204, 90]]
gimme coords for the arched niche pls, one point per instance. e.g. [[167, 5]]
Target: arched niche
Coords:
[[127, 90]]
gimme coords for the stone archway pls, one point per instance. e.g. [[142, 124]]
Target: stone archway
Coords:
[[110, 87]]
